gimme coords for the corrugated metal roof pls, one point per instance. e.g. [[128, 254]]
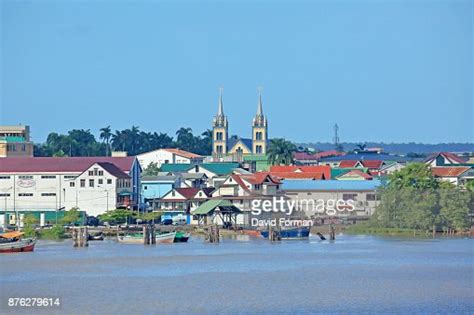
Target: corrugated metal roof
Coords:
[[331, 185]]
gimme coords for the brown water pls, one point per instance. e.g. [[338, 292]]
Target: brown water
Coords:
[[355, 274]]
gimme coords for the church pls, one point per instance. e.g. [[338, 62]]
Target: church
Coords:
[[236, 148]]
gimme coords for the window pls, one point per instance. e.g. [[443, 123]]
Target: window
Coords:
[[91, 183], [11, 147], [48, 194], [101, 181], [196, 168], [349, 196], [258, 149], [91, 173], [109, 181], [72, 184], [4, 195], [219, 149], [4, 177], [83, 183], [69, 176], [258, 135], [167, 161], [23, 147], [145, 187], [370, 197], [101, 173], [25, 195], [48, 177], [25, 177]]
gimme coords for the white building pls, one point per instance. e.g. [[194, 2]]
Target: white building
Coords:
[[169, 156], [92, 184]]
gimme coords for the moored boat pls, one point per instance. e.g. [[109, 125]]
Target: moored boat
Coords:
[[255, 233], [165, 238], [11, 242], [131, 239], [181, 237], [96, 237], [289, 234]]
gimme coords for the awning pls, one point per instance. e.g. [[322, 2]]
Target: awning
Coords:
[[13, 234], [208, 207], [125, 193]]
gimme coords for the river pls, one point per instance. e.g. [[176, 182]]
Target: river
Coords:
[[354, 274]]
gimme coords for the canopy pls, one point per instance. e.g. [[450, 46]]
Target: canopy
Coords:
[[13, 234], [225, 206]]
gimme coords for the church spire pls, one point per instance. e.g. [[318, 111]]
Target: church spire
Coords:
[[220, 109], [259, 106]]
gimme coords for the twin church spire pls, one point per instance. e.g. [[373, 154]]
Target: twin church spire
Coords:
[[223, 146]]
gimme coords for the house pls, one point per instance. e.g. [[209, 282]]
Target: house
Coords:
[[181, 202], [443, 159], [214, 172], [155, 187], [354, 174], [242, 189], [166, 156], [319, 199], [451, 174], [304, 158], [350, 164], [364, 156], [52, 183], [390, 168], [301, 172]]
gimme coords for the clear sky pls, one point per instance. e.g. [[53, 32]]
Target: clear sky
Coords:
[[393, 71]]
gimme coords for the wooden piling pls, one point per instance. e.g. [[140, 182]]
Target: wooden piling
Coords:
[[332, 233], [80, 236]]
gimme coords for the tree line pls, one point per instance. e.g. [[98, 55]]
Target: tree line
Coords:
[[82, 142], [413, 199]]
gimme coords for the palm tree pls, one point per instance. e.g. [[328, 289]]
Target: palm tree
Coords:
[[280, 151], [105, 136], [184, 138]]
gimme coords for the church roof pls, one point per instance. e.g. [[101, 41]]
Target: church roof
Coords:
[[246, 141]]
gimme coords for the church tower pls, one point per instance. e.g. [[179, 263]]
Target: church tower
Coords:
[[259, 130], [219, 131]]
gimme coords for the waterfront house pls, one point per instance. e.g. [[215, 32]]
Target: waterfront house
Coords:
[[308, 194], [301, 172], [52, 183], [155, 187], [15, 141]]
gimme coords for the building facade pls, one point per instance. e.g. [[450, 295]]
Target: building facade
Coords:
[[15, 141], [224, 147]]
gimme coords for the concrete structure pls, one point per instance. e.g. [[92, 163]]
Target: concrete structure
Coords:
[[93, 184], [307, 195], [166, 156], [15, 141]]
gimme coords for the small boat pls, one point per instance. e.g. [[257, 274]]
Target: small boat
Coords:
[[255, 233], [11, 242], [290, 234], [96, 237], [165, 238], [131, 239], [181, 237]]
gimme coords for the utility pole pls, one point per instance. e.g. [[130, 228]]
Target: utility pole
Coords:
[[336, 136]]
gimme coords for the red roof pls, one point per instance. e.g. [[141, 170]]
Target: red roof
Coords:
[[301, 175], [359, 173], [259, 178], [60, 164], [324, 169], [185, 154], [447, 155], [241, 183], [449, 171], [348, 163], [374, 164], [113, 170]]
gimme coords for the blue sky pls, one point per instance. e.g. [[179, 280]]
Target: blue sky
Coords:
[[393, 71]]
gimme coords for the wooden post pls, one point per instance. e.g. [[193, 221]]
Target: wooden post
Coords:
[[153, 234], [332, 234]]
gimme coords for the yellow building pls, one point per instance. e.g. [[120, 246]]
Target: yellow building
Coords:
[[15, 141], [236, 148]]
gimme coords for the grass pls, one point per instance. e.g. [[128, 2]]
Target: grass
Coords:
[[366, 228]]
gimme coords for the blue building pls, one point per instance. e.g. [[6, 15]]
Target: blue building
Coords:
[[155, 187]]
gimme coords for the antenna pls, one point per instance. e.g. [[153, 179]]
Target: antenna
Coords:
[[336, 135]]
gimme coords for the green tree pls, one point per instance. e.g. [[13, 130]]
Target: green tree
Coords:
[[280, 152], [105, 136], [117, 216], [152, 169], [71, 217], [29, 222]]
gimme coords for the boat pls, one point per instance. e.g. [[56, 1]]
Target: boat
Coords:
[[289, 234], [254, 233], [96, 237], [181, 237], [11, 242], [131, 239], [165, 238]]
